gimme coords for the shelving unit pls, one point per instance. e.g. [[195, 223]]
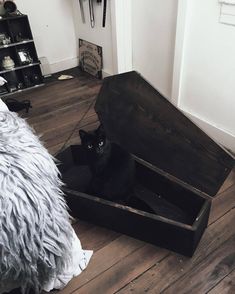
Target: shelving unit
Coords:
[[15, 44], [19, 67], [26, 73], [23, 90]]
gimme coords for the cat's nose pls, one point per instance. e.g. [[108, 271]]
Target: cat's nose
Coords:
[[99, 151]]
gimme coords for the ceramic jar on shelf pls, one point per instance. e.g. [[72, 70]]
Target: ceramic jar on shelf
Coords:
[[8, 63]]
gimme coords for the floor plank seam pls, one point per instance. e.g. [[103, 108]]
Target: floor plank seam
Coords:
[[104, 245], [228, 211], [225, 191], [55, 111], [85, 232], [219, 282], [137, 277], [108, 267], [196, 264]]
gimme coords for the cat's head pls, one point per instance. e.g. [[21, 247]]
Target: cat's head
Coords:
[[95, 143]]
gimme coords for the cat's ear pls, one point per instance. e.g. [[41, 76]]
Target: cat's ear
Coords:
[[82, 134]]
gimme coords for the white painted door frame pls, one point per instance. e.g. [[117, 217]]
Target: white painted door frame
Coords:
[[180, 40], [121, 22]]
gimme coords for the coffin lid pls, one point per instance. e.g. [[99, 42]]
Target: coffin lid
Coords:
[[139, 118]]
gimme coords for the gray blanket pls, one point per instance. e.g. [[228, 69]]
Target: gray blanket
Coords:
[[35, 232]]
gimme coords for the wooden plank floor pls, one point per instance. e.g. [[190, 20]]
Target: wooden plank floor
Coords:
[[121, 264]]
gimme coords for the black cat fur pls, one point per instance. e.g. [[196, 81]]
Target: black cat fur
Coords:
[[113, 168], [113, 173]]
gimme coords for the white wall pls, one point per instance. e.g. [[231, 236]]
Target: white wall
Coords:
[[53, 29], [153, 32], [208, 71], [57, 26], [98, 35]]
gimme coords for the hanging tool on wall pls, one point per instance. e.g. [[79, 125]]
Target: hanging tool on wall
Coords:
[[104, 13], [91, 11], [82, 11]]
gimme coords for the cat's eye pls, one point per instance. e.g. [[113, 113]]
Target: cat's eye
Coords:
[[101, 143], [90, 146]]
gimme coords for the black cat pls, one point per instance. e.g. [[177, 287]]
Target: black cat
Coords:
[[113, 169]]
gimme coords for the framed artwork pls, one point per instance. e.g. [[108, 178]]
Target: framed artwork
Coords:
[[24, 56], [90, 58]]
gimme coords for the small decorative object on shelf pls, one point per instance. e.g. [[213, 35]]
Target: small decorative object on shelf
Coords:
[[24, 57], [35, 79], [3, 86], [27, 81], [10, 7], [8, 63], [4, 39], [20, 85], [18, 37]]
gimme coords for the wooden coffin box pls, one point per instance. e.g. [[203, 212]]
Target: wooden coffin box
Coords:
[[177, 166]]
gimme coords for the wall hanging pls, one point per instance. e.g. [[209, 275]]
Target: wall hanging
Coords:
[[90, 58]]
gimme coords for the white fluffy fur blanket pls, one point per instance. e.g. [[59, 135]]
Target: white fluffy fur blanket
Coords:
[[36, 237]]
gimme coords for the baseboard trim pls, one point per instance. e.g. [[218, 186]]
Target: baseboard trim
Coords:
[[70, 63], [222, 137], [106, 74], [64, 64]]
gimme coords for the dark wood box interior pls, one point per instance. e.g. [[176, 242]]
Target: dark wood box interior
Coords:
[[150, 184]]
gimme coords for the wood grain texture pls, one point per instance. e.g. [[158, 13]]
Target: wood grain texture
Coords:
[[81, 227], [209, 272], [97, 237], [119, 261], [125, 270], [227, 183], [104, 259], [176, 266], [226, 286], [224, 202]]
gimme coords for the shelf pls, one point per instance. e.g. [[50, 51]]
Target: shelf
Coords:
[[21, 90], [15, 44], [2, 18], [19, 67]]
